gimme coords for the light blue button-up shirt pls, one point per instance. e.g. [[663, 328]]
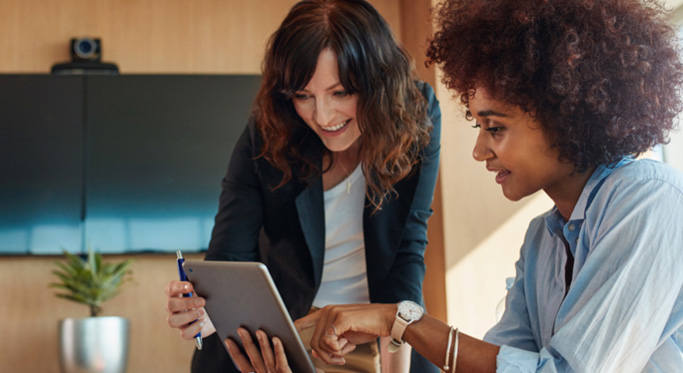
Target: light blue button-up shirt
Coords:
[[624, 309]]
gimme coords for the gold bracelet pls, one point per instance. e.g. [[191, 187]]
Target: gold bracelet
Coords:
[[446, 367]]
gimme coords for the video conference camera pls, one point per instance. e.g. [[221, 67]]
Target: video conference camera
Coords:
[[86, 58]]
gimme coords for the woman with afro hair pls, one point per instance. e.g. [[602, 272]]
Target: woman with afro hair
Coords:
[[564, 95]]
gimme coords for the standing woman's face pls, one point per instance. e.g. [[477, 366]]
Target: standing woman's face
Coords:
[[326, 107]]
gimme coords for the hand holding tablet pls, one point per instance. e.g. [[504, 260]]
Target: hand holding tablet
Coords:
[[243, 295]]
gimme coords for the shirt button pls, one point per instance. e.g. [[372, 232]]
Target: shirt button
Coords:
[[571, 227]]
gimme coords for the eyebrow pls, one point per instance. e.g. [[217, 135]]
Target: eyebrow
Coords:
[[333, 86], [491, 113]]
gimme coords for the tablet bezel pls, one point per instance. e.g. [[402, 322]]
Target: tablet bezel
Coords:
[[243, 294]]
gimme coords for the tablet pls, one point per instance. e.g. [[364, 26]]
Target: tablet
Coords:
[[242, 294]]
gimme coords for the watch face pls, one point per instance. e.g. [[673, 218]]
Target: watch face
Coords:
[[410, 311]]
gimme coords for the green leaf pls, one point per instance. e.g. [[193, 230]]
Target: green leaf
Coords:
[[90, 280]]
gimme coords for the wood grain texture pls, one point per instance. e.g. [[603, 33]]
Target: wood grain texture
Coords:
[[147, 36], [32, 312]]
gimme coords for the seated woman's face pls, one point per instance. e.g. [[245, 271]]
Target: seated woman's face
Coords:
[[326, 107], [515, 147]]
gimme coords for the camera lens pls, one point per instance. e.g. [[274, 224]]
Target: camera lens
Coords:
[[85, 48]]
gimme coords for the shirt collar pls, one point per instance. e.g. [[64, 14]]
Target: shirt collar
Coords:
[[555, 222]]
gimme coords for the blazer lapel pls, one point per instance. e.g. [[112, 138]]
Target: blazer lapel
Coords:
[[311, 210], [383, 233]]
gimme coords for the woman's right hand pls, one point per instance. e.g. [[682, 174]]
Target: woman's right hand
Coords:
[[187, 314], [339, 328], [268, 356]]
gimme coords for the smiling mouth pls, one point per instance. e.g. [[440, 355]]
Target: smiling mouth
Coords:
[[501, 176], [337, 127]]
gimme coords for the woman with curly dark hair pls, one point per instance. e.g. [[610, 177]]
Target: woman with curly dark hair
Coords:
[[565, 93], [332, 181]]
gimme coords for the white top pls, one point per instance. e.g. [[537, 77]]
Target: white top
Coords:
[[345, 277]]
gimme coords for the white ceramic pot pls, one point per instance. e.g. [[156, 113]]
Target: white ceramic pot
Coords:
[[94, 345]]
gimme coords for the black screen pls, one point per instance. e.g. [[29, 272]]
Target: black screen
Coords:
[[147, 170], [41, 163]]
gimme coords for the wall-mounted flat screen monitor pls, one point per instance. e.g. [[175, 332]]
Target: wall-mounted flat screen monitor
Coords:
[[128, 163]]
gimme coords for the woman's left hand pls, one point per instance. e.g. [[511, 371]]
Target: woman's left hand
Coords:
[[268, 359]]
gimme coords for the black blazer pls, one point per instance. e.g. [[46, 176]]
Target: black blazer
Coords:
[[285, 229]]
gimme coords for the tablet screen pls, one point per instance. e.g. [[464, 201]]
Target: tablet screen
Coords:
[[242, 294]]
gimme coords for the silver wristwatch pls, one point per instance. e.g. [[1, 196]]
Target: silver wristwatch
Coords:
[[408, 312]]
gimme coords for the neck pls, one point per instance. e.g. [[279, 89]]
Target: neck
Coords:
[[346, 159], [338, 166], [568, 193]]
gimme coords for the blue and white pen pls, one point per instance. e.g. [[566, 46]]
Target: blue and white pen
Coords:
[[183, 277]]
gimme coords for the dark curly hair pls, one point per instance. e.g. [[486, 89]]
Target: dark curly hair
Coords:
[[391, 114], [602, 77]]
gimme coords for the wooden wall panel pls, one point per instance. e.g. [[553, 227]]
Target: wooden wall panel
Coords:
[[141, 36], [29, 340], [147, 36]]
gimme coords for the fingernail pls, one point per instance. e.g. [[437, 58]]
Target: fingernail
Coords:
[[276, 342], [201, 312], [198, 302], [186, 287]]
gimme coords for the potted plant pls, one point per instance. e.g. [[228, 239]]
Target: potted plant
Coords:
[[95, 343]]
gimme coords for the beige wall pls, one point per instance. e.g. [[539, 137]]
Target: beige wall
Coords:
[[144, 36]]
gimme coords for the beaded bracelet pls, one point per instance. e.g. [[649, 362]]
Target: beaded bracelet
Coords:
[[446, 367]]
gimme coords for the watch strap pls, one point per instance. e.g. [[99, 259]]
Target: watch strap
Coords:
[[397, 331]]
